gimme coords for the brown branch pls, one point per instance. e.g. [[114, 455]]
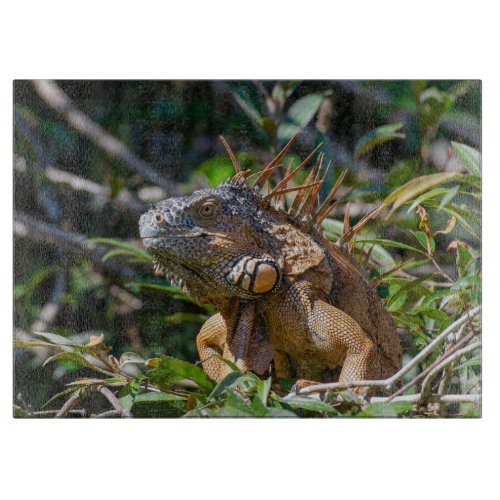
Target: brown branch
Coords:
[[26, 226], [421, 375], [115, 403], [107, 414], [51, 413], [452, 356], [58, 100], [389, 382], [68, 405], [125, 199]]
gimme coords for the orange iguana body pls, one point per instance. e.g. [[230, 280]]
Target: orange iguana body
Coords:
[[287, 297]]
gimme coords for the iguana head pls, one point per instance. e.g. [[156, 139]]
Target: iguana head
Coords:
[[235, 241], [213, 241]]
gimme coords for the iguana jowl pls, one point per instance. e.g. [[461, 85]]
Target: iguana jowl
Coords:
[[286, 296]]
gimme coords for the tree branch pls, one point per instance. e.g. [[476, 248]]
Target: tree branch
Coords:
[[426, 384], [68, 405], [389, 382], [115, 403], [58, 100], [26, 226]]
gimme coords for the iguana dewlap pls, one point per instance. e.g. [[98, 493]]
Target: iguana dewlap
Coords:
[[286, 296]]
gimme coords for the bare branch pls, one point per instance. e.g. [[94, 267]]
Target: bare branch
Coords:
[[125, 198], [108, 414], [389, 382], [68, 405], [115, 403], [434, 364], [58, 100], [51, 413], [26, 226], [434, 398], [426, 384]]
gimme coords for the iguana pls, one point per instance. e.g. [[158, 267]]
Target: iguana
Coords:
[[288, 299]]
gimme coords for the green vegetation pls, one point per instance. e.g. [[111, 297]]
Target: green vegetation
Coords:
[[411, 218]]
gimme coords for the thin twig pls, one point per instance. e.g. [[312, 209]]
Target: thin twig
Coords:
[[72, 400], [50, 413], [125, 199], [107, 414], [426, 384], [421, 375], [26, 226], [434, 398], [115, 403], [389, 382], [58, 100], [48, 200]]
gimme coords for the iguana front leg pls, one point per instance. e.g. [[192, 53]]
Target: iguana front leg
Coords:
[[318, 337], [238, 335], [336, 335], [210, 343]]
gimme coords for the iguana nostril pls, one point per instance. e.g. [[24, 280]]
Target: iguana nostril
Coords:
[[159, 218]]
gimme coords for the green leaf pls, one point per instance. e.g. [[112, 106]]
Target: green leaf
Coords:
[[421, 238], [54, 338], [138, 252], [263, 388], [229, 380], [396, 302], [282, 90], [131, 357], [437, 315], [392, 409], [157, 404], [70, 356], [171, 370], [415, 187], [454, 211], [217, 170], [157, 397], [301, 112], [228, 363], [118, 252], [59, 394], [377, 136], [236, 405], [464, 257], [469, 157], [306, 403], [388, 243], [20, 413], [429, 194], [279, 413], [35, 343], [467, 282], [243, 96]]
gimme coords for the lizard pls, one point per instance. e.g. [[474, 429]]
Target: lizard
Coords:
[[290, 302]]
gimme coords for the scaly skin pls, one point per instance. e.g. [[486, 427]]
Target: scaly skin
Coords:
[[286, 296]]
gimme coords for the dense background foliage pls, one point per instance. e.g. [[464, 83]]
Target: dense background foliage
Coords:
[[80, 273]]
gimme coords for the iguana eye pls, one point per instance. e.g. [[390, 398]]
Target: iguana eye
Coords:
[[207, 209]]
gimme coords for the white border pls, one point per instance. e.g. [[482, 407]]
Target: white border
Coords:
[[234, 458]]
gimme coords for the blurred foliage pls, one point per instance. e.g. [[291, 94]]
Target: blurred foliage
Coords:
[[411, 146]]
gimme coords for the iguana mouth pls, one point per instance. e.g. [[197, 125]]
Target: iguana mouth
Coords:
[[169, 236], [151, 233]]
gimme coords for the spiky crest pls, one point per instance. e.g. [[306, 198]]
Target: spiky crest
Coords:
[[306, 205]]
